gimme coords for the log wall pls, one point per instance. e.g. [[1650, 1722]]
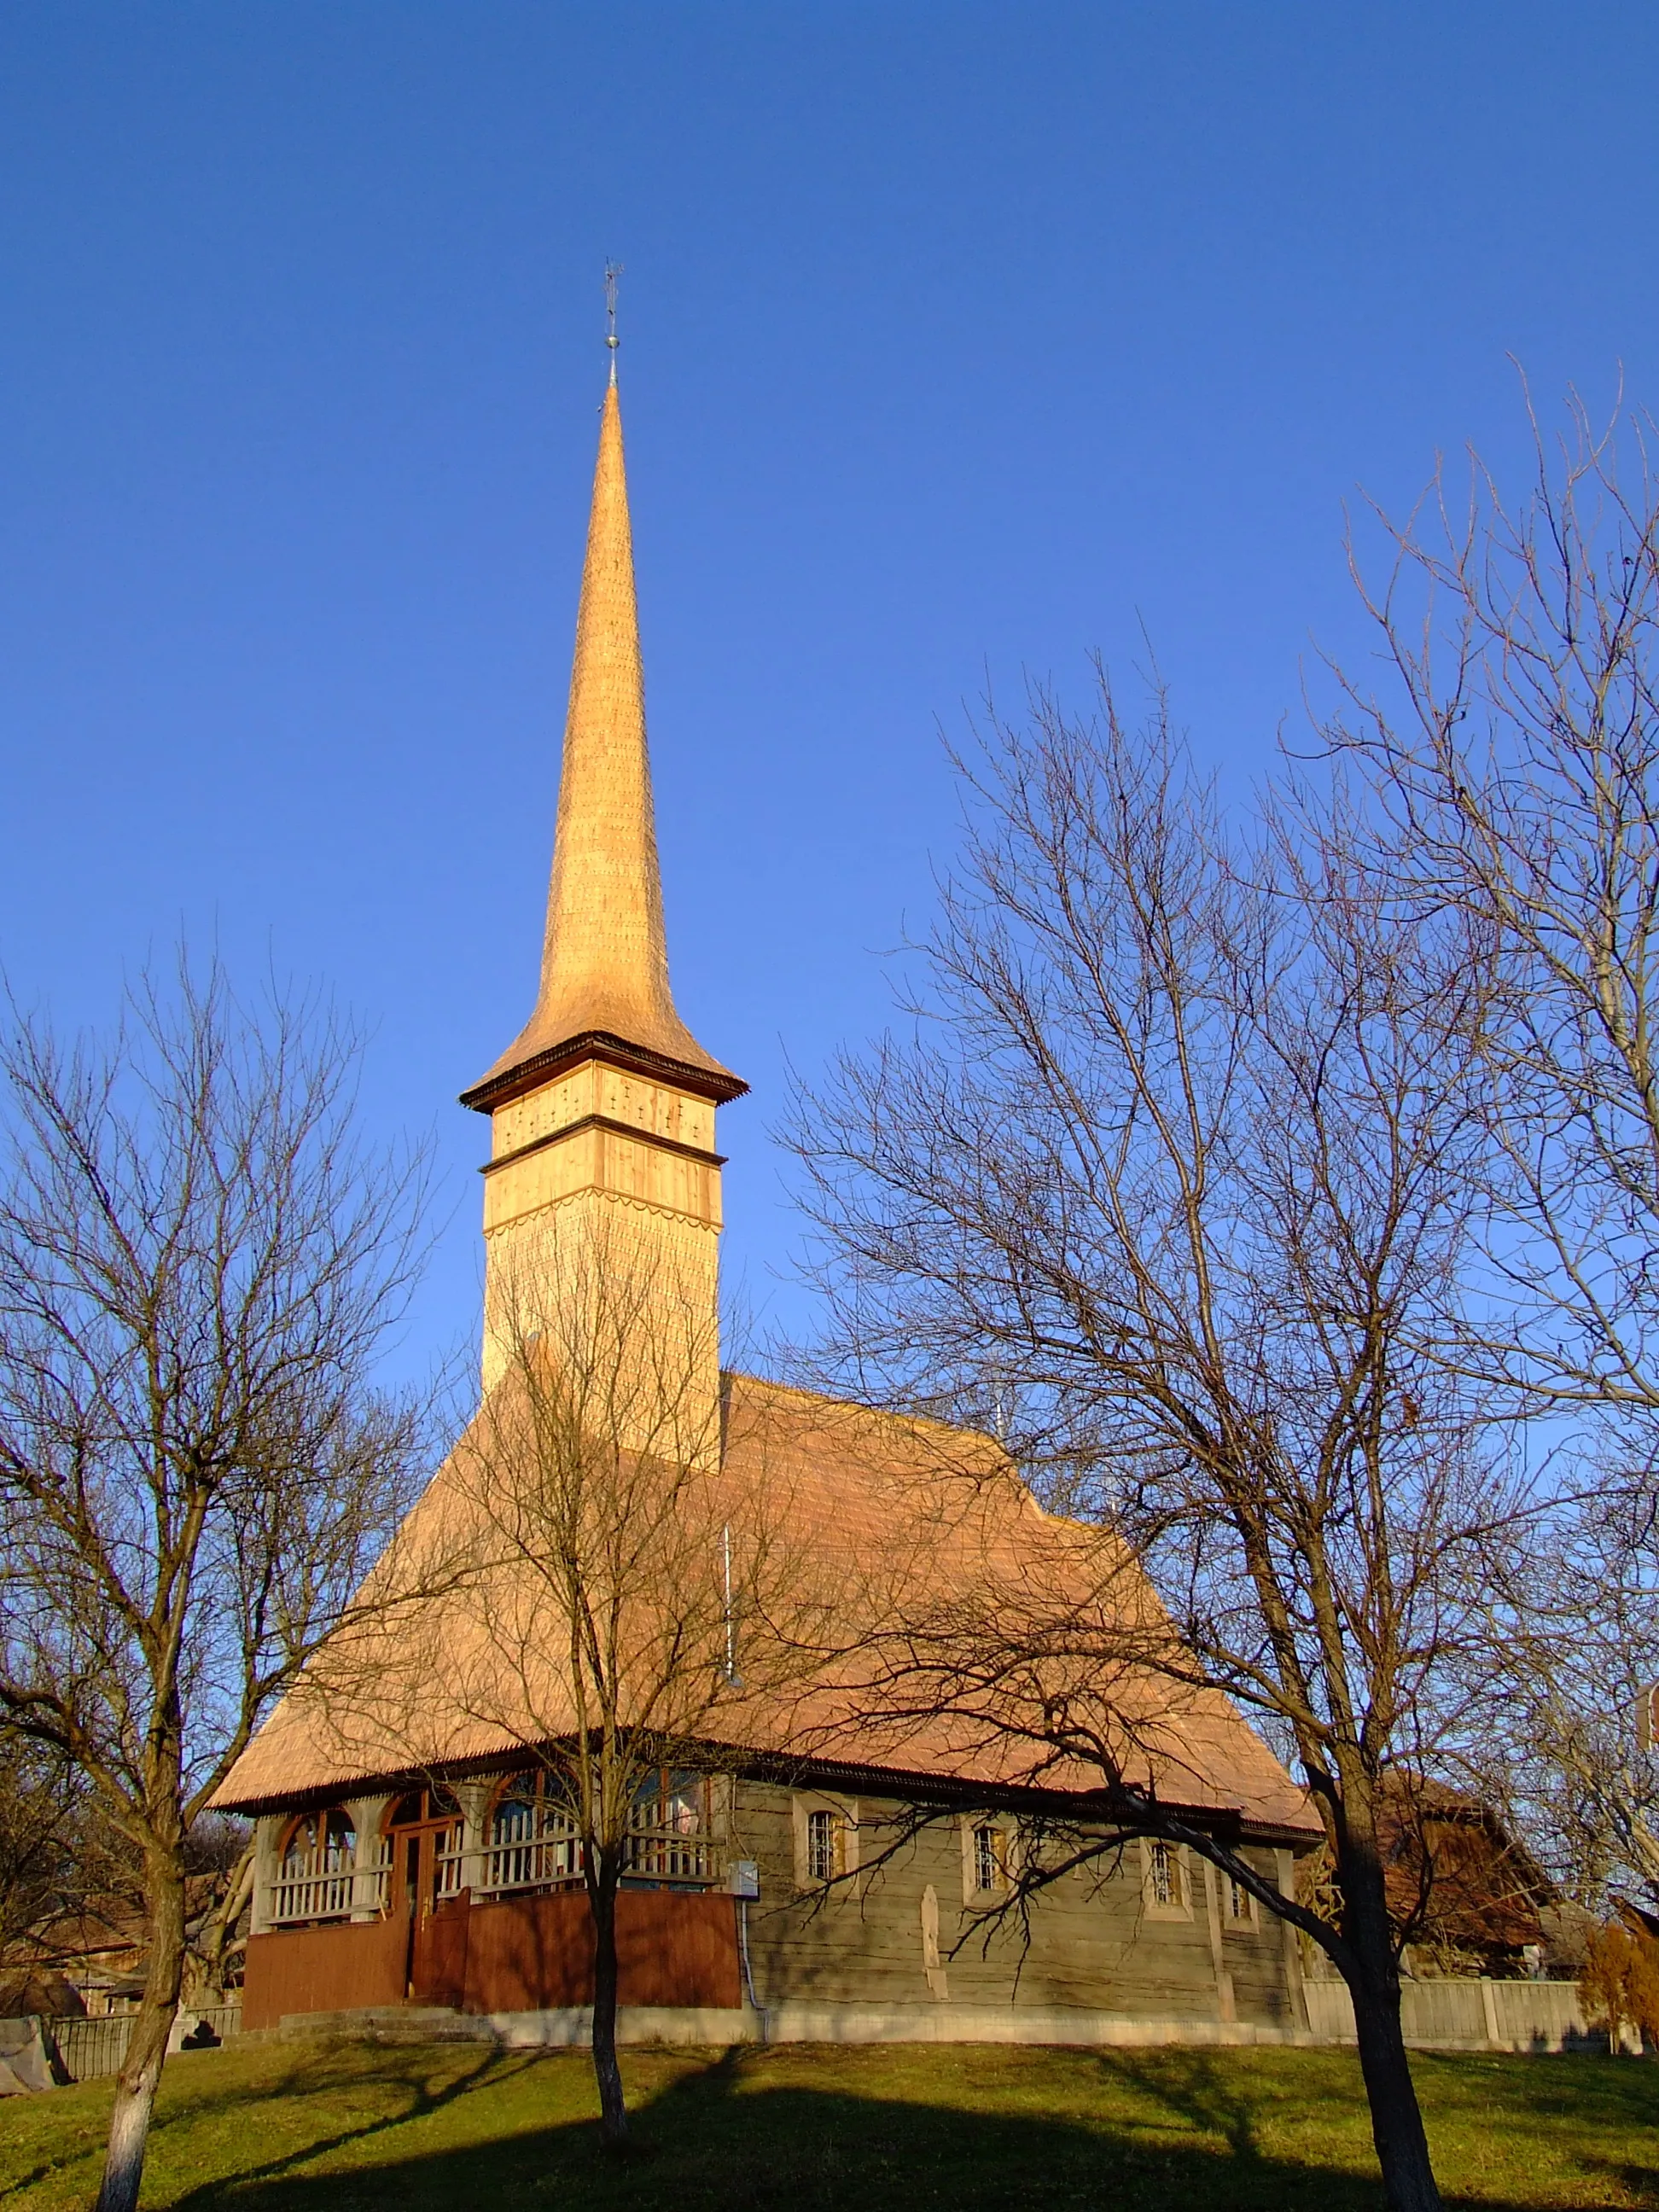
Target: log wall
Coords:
[[901, 1933], [1093, 1943]]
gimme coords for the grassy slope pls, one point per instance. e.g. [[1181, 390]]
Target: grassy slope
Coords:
[[275, 2128]]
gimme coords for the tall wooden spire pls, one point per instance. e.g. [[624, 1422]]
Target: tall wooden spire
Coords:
[[605, 957], [603, 1184]]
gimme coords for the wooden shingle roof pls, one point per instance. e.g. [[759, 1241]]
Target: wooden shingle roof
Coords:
[[979, 1641]]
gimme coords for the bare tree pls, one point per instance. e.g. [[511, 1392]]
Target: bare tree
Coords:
[[1164, 1187], [616, 1603], [1508, 732], [198, 1268], [1565, 1738], [50, 1854], [222, 1858]]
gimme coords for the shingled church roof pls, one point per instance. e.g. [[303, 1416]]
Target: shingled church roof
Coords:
[[925, 1528]]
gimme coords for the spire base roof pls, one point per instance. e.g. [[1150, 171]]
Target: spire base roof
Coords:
[[527, 1066]]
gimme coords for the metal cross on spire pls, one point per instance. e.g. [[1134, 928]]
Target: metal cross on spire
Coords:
[[612, 270]]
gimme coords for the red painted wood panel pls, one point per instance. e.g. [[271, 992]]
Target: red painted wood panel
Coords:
[[514, 1954], [675, 1948], [530, 1953], [324, 1969], [526, 1954]]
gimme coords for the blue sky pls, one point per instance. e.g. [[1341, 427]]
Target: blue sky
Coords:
[[959, 339]]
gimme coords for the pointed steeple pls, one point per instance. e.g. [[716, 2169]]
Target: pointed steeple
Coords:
[[605, 988]]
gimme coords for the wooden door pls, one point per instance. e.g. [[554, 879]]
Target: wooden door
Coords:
[[437, 1972], [414, 1881]]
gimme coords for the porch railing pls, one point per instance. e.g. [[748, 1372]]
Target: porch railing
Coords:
[[328, 1885], [664, 1850], [522, 1857], [447, 1869], [337, 1884]]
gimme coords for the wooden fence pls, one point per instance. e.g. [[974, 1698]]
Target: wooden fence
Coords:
[[1475, 2016], [535, 1954]]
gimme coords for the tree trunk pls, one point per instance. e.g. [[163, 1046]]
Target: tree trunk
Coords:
[[136, 2084], [1402, 2146], [214, 1940], [602, 1903]]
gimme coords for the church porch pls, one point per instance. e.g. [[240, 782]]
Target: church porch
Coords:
[[470, 1898]]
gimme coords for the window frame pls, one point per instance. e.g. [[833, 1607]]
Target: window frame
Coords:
[[844, 1813], [823, 1832], [1241, 1907], [439, 1807], [974, 1825], [1178, 1905]]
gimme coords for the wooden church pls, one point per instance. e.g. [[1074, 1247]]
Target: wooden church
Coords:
[[827, 1867]]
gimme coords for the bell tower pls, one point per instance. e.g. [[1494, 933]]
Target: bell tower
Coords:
[[602, 1109]]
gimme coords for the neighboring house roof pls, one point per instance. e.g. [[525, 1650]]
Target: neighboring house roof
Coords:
[[1453, 1868], [107, 1935], [928, 1543], [1637, 1917], [26, 1990]]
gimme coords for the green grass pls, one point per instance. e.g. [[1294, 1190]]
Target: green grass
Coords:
[[285, 2128]]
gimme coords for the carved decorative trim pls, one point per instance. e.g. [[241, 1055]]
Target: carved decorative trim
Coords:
[[617, 1128], [611, 1198]]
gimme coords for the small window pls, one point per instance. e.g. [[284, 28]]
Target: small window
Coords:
[[1164, 1892], [823, 1841], [1241, 1904], [990, 1861], [1161, 1876], [826, 1836]]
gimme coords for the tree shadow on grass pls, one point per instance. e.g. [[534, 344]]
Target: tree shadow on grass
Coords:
[[1205, 2097], [713, 2141], [1585, 2087], [1603, 2099], [409, 2098]]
